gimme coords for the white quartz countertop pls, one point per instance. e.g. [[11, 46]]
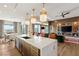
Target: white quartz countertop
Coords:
[[38, 41]]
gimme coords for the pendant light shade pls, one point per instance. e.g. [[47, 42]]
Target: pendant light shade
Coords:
[[33, 18], [43, 14]]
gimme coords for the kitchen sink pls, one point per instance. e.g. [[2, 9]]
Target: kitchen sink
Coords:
[[26, 37]]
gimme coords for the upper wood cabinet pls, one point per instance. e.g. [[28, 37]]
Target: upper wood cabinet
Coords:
[[74, 27]]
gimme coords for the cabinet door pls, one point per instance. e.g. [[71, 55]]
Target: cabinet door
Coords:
[[35, 51], [21, 48], [25, 49], [17, 43]]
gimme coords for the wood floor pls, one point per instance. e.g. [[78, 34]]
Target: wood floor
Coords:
[[8, 49], [68, 49], [64, 49]]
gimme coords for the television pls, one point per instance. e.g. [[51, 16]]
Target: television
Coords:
[[66, 29]]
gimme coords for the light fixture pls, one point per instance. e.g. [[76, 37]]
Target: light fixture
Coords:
[[5, 6], [33, 18], [59, 24], [75, 23], [43, 14]]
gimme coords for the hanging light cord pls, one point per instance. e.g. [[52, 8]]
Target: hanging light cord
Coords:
[[33, 11], [43, 5]]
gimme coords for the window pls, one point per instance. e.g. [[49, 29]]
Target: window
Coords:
[[24, 29], [8, 28]]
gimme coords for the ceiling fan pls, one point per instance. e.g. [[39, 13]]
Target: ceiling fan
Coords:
[[64, 13]]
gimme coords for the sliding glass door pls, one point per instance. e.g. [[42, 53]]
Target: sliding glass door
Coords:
[[24, 29], [36, 28], [46, 29]]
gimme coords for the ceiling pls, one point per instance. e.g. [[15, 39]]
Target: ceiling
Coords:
[[17, 12]]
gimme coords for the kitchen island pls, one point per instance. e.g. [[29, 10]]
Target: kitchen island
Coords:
[[36, 45]]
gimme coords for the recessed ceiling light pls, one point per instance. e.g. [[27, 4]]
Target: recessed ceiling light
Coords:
[[5, 6]]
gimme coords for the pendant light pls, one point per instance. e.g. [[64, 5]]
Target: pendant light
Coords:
[[43, 14], [33, 17]]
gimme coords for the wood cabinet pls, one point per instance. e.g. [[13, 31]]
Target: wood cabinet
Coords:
[[74, 27], [27, 49], [35, 51]]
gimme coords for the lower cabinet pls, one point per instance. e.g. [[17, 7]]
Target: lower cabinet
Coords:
[[27, 49], [35, 51]]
